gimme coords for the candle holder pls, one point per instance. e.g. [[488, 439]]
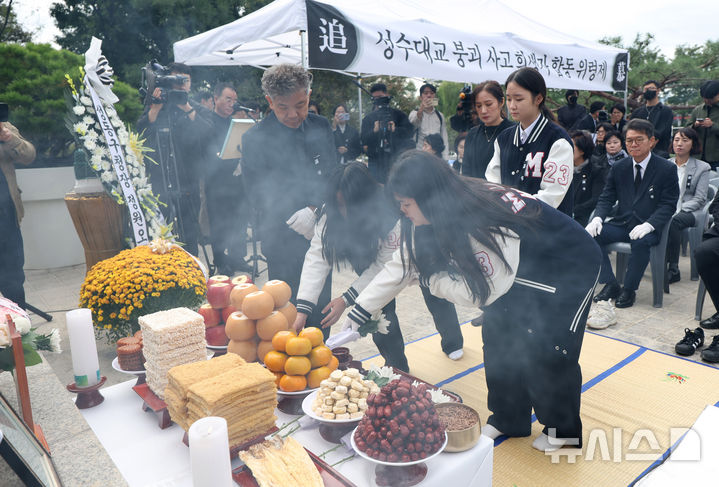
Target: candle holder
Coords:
[[88, 397]]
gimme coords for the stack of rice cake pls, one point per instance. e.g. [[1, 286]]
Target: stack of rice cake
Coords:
[[170, 338], [182, 377], [244, 394]]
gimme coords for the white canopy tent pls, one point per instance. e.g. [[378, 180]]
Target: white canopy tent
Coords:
[[453, 40]]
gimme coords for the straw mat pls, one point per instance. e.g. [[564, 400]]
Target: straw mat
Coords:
[[632, 398]]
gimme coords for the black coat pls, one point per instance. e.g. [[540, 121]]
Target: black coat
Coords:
[[350, 139], [661, 117], [588, 185], [286, 169], [586, 123], [568, 115], [655, 202]]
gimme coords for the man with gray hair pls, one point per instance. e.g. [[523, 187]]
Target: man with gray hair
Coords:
[[286, 160]]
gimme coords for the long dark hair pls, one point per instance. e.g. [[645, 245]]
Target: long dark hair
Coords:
[[370, 216], [531, 80], [457, 208]]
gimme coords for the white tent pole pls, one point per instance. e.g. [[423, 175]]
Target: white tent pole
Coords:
[[303, 43], [359, 96]]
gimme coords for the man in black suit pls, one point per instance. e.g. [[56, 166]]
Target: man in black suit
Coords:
[[646, 188], [592, 119], [707, 258]]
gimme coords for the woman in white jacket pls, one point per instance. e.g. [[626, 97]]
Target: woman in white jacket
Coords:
[[531, 268]]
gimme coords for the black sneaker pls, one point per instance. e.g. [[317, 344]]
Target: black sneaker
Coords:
[[711, 353], [673, 275], [691, 341]]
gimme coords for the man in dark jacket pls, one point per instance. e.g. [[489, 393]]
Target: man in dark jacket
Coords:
[[286, 159], [705, 120], [661, 117], [386, 132], [570, 113], [646, 188], [591, 120]]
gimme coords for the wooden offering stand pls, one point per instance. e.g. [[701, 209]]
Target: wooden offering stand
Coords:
[[21, 384], [88, 397], [153, 403]]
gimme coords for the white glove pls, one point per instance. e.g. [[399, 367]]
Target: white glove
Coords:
[[303, 222], [349, 324], [595, 226], [641, 230]]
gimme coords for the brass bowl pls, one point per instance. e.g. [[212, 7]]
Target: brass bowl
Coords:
[[461, 440]]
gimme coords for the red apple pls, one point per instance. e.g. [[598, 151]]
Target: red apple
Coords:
[[227, 311], [241, 279], [210, 314], [218, 294], [218, 278], [215, 336]]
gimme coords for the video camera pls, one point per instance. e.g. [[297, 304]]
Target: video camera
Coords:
[[155, 75], [4, 112], [384, 116], [465, 102]]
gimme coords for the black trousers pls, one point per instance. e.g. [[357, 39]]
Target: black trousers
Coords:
[[228, 215], [391, 344], [187, 226], [680, 221], [12, 257], [532, 340], [446, 322], [285, 252], [707, 259]]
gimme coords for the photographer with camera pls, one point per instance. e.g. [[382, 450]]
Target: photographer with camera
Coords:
[[428, 120], [466, 118], [13, 150], [176, 133], [597, 114], [386, 132]]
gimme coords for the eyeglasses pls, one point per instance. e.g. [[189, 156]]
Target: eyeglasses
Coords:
[[637, 141]]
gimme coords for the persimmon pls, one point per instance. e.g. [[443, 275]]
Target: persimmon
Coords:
[[317, 375], [334, 363], [275, 361], [314, 335], [320, 356], [280, 339], [297, 365], [293, 383], [298, 346]]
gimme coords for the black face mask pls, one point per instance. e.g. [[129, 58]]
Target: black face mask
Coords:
[[650, 94], [572, 100]]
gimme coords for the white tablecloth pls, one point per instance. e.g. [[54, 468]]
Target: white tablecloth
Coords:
[[149, 456]]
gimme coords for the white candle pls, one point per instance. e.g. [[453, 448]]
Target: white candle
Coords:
[[210, 453], [83, 349]]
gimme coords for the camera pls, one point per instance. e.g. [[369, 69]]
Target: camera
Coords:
[[155, 75], [384, 116], [4, 112], [465, 100]]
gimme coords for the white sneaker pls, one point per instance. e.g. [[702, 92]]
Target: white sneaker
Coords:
[[548, 444], [456, 355], [491, 432], [602, 315]]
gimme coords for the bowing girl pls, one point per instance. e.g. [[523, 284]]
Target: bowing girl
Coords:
[[359, 225], [531, 268], [536, 156]]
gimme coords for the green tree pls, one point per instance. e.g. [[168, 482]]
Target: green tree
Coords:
[[10, 30], [135, 31], [32, 83]]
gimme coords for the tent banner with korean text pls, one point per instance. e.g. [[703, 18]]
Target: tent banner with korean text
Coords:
[[352, 40]]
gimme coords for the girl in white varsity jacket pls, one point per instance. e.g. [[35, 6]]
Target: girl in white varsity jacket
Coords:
[[531, 269], [357, 225], [537, 155]]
